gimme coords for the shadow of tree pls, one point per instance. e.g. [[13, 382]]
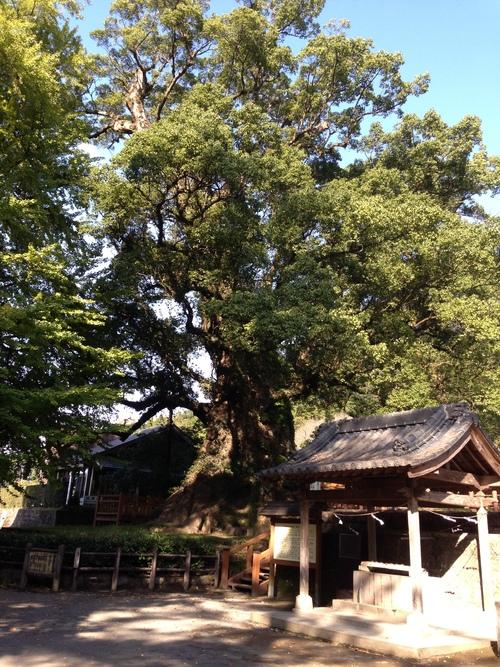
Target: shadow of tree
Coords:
[[42, 629]]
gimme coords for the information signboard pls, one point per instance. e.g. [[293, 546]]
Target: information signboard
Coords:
[[41, 562], [287, 542]]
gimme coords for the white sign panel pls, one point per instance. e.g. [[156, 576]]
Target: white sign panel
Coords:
[[287, 542]]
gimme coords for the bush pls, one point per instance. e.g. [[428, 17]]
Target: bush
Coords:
[[137, 539]]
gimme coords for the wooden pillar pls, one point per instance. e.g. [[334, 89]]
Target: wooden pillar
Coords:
[[187, 571], [372, 538], [497, 610], [58, 563], [217, 567], [224, 568], [272, 565], [76, 567], [415, 556], [303, 601], [116, 570], [154, 565], [483, 539]]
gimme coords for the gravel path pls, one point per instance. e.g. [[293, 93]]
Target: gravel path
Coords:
[[83, 629]]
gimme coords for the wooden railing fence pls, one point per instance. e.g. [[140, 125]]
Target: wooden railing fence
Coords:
[[118, 508], [150, 565]]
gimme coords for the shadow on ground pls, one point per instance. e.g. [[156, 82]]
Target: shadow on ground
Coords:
[[154, 630]]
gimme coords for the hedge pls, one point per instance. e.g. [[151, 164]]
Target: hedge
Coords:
[[108, 538]]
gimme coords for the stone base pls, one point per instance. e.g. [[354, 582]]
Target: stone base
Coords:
[[367, 632], [303, 603]]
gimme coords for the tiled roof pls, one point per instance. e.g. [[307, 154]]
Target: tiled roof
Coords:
[[388, 443]]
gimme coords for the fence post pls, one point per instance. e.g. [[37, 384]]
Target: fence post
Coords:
[[96, 509], [217, 569], [249, 560], [187, 571], [152, 574], [24, 573], [76, 567], [497, 609], [116, 570], [119, 510], [224, 578], [255, 574], [56, 581]]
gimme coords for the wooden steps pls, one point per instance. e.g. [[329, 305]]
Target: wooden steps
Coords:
[[254, 578]]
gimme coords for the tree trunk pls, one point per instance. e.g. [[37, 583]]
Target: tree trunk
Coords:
[[248, 430]]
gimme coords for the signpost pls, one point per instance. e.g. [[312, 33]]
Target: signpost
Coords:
[[287, 543], [286, 550], [44, 563]]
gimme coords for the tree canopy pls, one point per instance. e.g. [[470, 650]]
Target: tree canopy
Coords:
[[239, 231], [53, 370], [259, 213]]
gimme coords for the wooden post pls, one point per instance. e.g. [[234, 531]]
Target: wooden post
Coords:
[[58, 563], [119, 510], [372, 537], [217, 568], [187, 571], [154, 565], [483, 538], [415, 556], [116, 570], [224, 577], [76, 567], [272, 566], [24, 572], [317, 571], [249, 559], [303, 601], [255, 574], [96, 509], [497, 609]]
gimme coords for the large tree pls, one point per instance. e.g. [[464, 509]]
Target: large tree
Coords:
[[238, 233], [53, 368]]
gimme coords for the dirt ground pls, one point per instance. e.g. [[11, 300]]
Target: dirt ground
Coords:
[[83, 629]]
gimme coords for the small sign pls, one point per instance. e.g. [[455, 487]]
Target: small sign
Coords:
[[41, 563], [287, 542]]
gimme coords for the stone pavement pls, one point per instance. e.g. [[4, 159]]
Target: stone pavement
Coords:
[[172, 630]]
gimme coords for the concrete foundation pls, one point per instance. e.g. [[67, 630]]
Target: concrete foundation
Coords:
[[371, 631]]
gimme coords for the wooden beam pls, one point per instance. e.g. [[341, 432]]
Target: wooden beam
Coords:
[[304, 547], [483, 539], [475, 456], [372, 538], [303, 601], [465, 479], [489, 482], [362, 496], [415, 555], [452, 499], [485, 447], [272, 564]]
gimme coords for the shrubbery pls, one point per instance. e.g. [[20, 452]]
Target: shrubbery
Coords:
[[108, 538]]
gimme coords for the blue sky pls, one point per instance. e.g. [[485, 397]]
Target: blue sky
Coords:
[[455, 41]]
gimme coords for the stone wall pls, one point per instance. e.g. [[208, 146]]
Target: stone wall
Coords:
[[22, 517]]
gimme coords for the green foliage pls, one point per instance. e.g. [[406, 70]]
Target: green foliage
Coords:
[[191, 425], [54, 373], [136, 539], [239, 234]]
